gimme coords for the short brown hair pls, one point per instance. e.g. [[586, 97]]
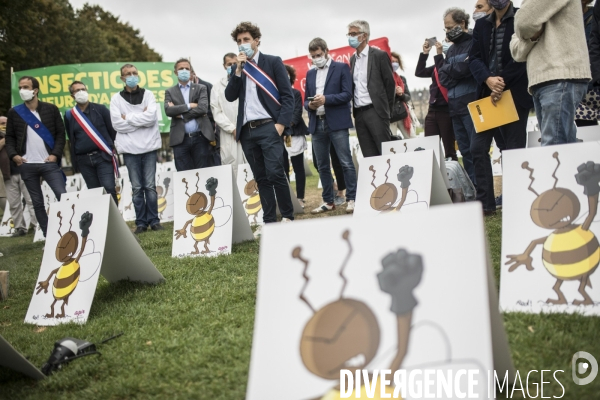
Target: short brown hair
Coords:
[[316, 44], [228, 55], [35, 84], [396, 55], [183, 59], [127, 66], [244, 27], [76, 83], [291, 72]]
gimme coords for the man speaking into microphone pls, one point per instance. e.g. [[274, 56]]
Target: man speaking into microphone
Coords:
[[266, 105]]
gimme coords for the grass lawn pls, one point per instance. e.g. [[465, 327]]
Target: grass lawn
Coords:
[[191, 336]]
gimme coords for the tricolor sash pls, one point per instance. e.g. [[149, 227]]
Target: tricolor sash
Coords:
[[262, 80], [95, 136], [35, 124]]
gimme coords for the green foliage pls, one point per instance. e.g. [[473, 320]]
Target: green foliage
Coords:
[[41, 33]]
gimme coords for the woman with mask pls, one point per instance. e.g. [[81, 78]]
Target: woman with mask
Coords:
[[456, 76], [405, 125]]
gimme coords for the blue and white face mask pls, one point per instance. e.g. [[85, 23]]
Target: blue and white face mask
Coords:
[[247, 49], [132, 81], [183, 75]]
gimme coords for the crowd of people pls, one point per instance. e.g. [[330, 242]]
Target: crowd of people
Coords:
[[253, 115]]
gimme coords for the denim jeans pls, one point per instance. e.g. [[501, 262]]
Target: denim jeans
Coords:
[[31, 174], [464, 131], [98, 172], [322, 140], [142, 171], [193, 153], [263, 148], [555, 106]]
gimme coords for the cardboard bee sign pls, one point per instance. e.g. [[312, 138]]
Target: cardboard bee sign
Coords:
[[550, 231], [7, 225], [49, 198], [12, 359], [416, 144], [126, 207], [403, 183], [82, 194], [208, 213], [248, 189], [164, 195], [584, 134], [85, 238], [374, 298]]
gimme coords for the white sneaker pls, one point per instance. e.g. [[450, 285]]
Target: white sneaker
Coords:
[[258, 232], [285, 220], [301, 201], [323, 208], [350, 207]]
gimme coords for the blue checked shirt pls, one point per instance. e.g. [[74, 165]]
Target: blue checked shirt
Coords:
[[192, 125]]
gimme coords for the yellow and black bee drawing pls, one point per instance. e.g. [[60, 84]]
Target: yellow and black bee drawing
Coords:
[[203, 223], [68, 274], [252, 204], [571, 251], [385, 196], [11, 225], [162, 198], [345, 334]]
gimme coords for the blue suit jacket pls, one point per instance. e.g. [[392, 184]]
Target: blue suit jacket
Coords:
[[274, 68], [513, 73], [338, 95]]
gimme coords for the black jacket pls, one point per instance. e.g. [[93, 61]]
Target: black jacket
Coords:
[[595, 45], [16, 131], [456, 76], [513, 73], [436, 99], [298, 125], [100, 118]]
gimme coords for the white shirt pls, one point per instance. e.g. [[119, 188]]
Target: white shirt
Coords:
[[253, 108], [321, 78], [35, 147], [361, 68]]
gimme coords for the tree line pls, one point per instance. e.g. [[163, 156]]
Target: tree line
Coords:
[[42, 33]]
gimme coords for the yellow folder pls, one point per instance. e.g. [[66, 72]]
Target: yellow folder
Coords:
[[485, 116]]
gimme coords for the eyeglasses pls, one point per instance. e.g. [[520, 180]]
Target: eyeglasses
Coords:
[[449, 29], [79, 90], [354, 34]]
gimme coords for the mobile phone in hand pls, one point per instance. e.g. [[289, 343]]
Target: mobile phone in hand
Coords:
[[310, 98], [432, 41]]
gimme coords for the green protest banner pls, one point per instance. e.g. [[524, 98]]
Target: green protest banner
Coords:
[[102, 80]]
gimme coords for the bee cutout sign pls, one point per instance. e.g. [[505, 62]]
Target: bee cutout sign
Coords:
[[85, 238], [82, 194], [49, 198], [584, 134], [164, 193], [7, 225], [550, 230], [375, 298], [12, 359], [404, 183], [126, 207], [209, 215], [416, 144]]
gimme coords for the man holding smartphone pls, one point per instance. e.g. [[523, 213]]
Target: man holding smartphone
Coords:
[[266, 106], [329, 92]]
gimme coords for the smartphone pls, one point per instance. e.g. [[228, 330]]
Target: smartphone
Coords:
[[432, 41], [310, 98]]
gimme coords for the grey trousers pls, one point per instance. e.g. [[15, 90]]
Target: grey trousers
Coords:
[[15, 189]]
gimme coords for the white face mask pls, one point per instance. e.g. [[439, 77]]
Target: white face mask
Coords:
[[320, 62], [81, 97], [26, 95]]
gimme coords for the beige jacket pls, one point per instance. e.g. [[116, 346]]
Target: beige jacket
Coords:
[[561, 51]]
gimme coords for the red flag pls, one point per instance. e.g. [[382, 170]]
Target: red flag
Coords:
[[302, 64]]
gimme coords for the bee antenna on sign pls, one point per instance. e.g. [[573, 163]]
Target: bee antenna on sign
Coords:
[[388, 170], [296, 254], [525, 165], [246, 172], [72, 215], [346, 237], [555, 155], [405, 147], [373, 171], [186, 187], [197, 181], [59, 223]]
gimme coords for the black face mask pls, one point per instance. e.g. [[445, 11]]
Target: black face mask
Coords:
[[454, 33]]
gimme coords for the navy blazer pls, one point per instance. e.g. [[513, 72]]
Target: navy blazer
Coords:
[[100, 118], [514, 73], [274, 68], [338, 95]]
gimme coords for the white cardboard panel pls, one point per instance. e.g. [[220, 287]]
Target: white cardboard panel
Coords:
[[549, 221], [248, 189], [7, 227], [71, 265], [12, 359], [164, 190], [339, 291]]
